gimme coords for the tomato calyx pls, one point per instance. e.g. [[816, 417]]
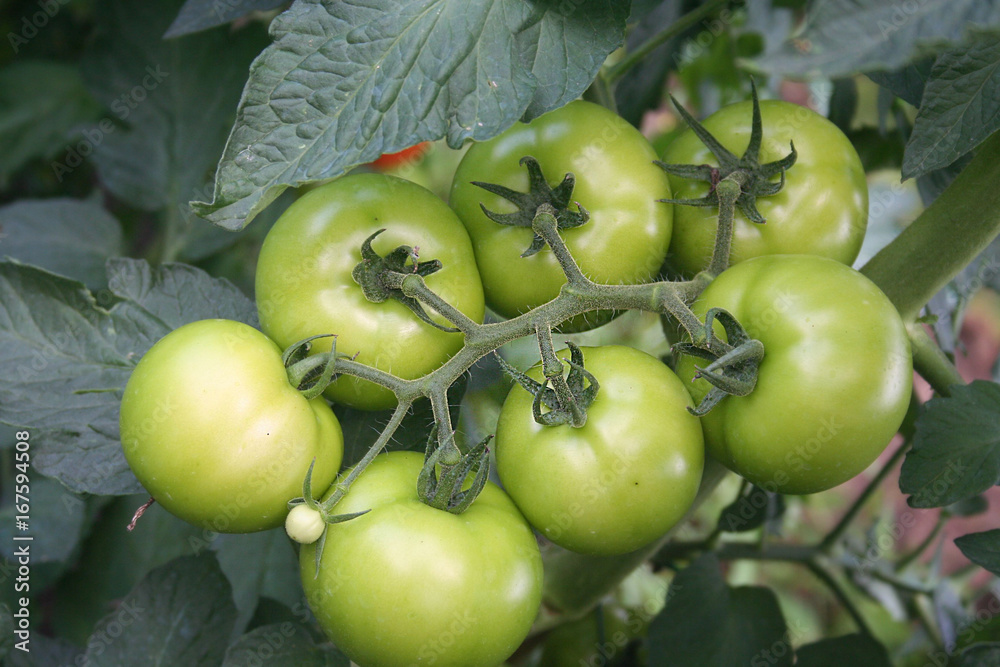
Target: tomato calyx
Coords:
[[309, 535], [756, 176], [445, 491], [381, 278], [560, 407], [539, 193], [733, 367], [311, 375]]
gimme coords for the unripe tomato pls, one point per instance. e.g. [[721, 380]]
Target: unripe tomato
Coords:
[[626, 238], [625, 477], [821, 210], [305, 287], [408, 584], [834, 383], [214, 431]]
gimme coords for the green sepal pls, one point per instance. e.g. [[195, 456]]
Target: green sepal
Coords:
[[582, 384], [445, 492], [310, 375], [325, 512], [371, 273], [733, 367], [539, 192], [757, 181]]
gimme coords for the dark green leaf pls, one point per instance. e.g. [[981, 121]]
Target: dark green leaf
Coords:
[[175, 616], [980, 655], [932, 184], [171, 105], [280, 645], [345, 82], [843, 104], [841, 37], [959, 106], [197, 15], [642, 87], [66, 236], [983, 549], [709, 624], [114, 560], [56, 522], [177, 293], [856, 650], [33, 90], [46, 652], [259, 564], [67, 357], [956, 449], [969, 507], [751, 510], [6, 631], [908, 82]]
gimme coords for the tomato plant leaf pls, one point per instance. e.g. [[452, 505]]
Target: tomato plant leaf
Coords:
[[983, 549], [113, 561], [68, 354], [841, 37], [641, 88], [178, 293], [71, 237], [958, 109], [857, 650], [197, 15], [282, 644], [908, 82], [751, 510], [956, 448], [259, 564], [170, 106], [31, 90], [345, 82], [58, 520], [174, 616], [707, 623]]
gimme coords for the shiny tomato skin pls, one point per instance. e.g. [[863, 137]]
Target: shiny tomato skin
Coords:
[[304, 285], [834, 383], [627, 235], [214, 431], [624, 478], [821, 210], [407, 584]]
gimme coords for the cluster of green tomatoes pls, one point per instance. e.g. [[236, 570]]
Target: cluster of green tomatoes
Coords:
[[215, 431]]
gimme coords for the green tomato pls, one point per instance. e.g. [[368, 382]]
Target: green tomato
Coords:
[[821, 210], [408, 584], [304, 284], [626, 238], [624, 478], [214, 431], [834, 383]]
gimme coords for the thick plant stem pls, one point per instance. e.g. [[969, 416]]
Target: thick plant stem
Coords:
[[575, 583], [728, 191], [930, 361], [945, 238]]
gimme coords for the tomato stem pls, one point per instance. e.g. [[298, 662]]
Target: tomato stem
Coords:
[[675, 29], [945, 238]]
